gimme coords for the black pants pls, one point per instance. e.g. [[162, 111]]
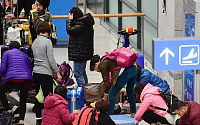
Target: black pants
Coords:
[[23, 87], [151, 117], [46, 82]]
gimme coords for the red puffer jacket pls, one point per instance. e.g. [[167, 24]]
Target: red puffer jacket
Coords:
[[56, 111], [192, 116]]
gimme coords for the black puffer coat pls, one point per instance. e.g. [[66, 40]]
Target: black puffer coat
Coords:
[[81, 38]]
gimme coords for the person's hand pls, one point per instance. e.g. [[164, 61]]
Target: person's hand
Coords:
[[71, 16], [59, 77], [122, 90], [105, 97], [102, 83], [17, 25], [9, 16], [34, 6], [76, 111]]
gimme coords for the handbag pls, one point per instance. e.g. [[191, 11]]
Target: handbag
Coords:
[[5, 118], [93, 92], [53, 36]]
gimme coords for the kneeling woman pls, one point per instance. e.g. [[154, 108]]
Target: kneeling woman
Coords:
[[149, 95], [119, 78]]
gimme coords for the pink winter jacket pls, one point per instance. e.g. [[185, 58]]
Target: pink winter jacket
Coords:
[[56, 111], [150, 96]]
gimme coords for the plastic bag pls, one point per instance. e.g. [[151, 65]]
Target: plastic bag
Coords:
[[14, 35], [5, 119]]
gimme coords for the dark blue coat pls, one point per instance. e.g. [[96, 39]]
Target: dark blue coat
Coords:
[[147, 77], [15, 65]]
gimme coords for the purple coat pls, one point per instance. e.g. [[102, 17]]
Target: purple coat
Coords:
[[15, 65]]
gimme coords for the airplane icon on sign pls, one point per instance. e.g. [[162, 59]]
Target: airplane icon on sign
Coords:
[[189, 55]]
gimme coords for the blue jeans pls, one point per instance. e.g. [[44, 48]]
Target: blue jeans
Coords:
[[128, 76], [80, 73]]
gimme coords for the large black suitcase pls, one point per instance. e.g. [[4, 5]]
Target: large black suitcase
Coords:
[[13, 102]]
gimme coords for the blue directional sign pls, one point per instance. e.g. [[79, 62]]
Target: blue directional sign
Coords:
[[176, 53]]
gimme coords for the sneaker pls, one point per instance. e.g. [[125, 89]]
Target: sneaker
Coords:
[[132, 115]]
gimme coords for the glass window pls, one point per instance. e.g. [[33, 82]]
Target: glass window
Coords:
[[149, 7], [129, 21], [149, 33], [113, 9], [133, 2], [91, 5], [97, 6]]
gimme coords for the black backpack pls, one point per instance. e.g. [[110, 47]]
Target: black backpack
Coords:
[[169, 99]]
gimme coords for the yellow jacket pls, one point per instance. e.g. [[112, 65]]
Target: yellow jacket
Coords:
[[36, 19]]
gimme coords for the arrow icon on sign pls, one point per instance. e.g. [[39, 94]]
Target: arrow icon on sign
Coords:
[[166, 52]]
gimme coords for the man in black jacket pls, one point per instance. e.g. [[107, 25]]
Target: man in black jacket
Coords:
[[80, 48]]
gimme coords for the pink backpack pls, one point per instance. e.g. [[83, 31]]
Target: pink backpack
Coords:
[[123, 56]]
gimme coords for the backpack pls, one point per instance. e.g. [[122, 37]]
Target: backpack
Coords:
[[53, 36], [123, 56], [87, 116], [169, 99], [64, 70]]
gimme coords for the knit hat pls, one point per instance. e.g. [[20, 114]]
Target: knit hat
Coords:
[[44, 3], [77, 13]]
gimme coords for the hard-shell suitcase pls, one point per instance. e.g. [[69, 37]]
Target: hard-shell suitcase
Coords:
[[26, 49], [75, 98], [12, 102], [123, 120]]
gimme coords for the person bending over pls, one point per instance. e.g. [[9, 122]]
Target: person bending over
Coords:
[[119, 77], [188, 111], [149, 95], [16, 72]]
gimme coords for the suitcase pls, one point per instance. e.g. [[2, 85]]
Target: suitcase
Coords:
[[123, 120], [12, 102], [140, 60], [26, 49], [75, 98]]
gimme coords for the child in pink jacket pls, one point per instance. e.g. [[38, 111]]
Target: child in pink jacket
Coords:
[[56, 108], [149, 95]]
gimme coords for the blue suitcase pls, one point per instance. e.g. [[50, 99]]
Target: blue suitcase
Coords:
[[140, 60], [75, 98], [123, 120], [26, 49]]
